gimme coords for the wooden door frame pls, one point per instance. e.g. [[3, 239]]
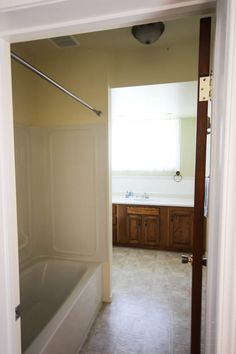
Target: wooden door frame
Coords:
[[221, 295], [198, 224]]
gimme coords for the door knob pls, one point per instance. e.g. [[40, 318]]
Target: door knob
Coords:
[[189, 259], [186, 259]]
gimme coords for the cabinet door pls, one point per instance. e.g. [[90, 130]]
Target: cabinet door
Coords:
[[151, 230], [134, 228], [114, 223], [122, 237], [181, 229]]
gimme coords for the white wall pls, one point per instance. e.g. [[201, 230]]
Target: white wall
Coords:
[[157, 185], [78, 191], [61, 191], [23, 188]]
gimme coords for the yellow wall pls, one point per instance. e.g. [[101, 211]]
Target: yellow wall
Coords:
[[39, 103], [83, 73], [24, 86], [89, 73], [152, 66]]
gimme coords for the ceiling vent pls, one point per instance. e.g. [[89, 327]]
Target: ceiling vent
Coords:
[[65, 42]]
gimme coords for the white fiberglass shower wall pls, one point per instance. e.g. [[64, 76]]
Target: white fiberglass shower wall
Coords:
[[60, 191]]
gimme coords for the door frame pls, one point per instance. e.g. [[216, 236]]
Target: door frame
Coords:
[[221, 280], [199, 187], [9, 280], [221, 283]]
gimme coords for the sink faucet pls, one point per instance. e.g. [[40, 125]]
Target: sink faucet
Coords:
[[145, 195], [129, 194]]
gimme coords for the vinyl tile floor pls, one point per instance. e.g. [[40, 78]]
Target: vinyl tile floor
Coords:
[[150, 309]]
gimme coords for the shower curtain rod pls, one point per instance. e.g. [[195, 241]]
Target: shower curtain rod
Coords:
[[54, 83]]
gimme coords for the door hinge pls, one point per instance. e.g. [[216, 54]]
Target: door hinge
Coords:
[[205, 88], [17, 312]]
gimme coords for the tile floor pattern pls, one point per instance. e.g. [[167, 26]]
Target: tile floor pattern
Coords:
[[150, 311]]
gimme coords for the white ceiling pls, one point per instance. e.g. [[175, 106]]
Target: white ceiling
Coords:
[[58, 18], [10, 5], [177, 31]]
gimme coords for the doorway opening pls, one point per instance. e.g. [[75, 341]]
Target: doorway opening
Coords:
[[153, 137], [61, 165]]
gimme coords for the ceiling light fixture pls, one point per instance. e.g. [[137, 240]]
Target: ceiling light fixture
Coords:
[[148, 33]]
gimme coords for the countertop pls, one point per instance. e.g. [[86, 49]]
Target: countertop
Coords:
[[177, 201]]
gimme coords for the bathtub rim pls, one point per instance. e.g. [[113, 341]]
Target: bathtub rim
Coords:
[[47, 333], [32, 261]]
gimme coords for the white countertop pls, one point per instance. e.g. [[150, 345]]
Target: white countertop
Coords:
[[155, 200]]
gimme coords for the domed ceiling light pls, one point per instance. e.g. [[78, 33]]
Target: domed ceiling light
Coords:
[[148, 33]]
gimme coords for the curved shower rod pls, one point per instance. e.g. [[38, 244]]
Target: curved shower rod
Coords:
[[54, 83]]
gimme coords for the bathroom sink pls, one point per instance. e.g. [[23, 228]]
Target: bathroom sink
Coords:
[[154, 200], [141, 199]]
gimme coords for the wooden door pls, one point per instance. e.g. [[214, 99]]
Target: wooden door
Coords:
[[198, 226], [134, 228], [151, 232], [181, 229]]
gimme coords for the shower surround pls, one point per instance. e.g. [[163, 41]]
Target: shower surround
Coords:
[[61, 201]]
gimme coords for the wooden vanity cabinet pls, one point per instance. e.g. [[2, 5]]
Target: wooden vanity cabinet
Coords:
[[158, 227], [181, 228], [151, 230], [134, 229], [122, 235], [143, 225]]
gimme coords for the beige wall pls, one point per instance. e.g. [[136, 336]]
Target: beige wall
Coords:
[[24, 86], [152, 66], [83, 73], [89, 73], [39, 103]]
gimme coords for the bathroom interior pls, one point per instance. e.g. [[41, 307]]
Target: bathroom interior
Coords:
[[105, 202]]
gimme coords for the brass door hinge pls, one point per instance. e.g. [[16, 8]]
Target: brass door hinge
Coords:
[[205, 88]]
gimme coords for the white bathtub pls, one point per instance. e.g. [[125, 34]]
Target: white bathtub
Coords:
[[59, 301]]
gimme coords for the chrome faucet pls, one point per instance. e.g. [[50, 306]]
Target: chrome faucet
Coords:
[[129, 194]]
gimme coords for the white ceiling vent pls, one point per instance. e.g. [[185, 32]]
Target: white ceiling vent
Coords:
[[65, 41]]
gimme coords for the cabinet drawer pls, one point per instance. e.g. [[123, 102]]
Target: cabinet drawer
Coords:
[[142, 210]]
